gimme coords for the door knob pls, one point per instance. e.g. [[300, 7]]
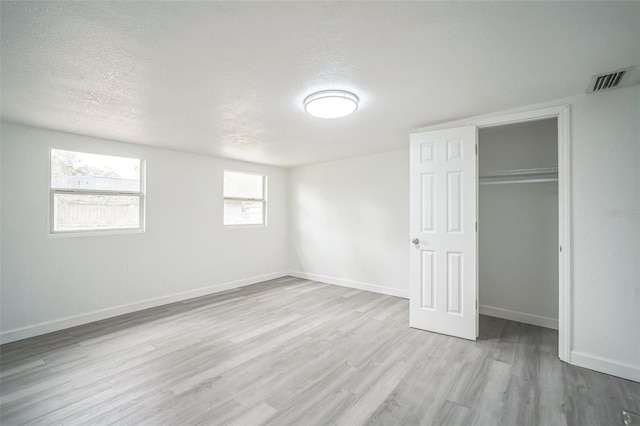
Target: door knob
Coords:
[[415, 241]]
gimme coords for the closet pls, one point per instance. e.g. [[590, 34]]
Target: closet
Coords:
[[518, 222]]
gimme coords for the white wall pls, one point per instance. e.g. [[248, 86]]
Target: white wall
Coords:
[[518, 252], [350, 222], [518, 146], [50, 283], [606, 250], [518, 225]]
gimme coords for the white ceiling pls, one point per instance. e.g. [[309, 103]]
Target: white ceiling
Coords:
[[228, 78]]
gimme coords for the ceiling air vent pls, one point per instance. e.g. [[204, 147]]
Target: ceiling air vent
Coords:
[[610, 80]]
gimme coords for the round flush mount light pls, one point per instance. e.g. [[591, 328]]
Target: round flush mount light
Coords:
[[331, 103]]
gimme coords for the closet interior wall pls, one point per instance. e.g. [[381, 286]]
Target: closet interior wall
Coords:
[[518, 222]]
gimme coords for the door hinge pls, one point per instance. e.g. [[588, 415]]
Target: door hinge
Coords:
[[476, 226], [476, 149], [476, 304]]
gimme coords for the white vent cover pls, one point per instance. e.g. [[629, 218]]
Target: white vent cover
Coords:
[[610, 80]]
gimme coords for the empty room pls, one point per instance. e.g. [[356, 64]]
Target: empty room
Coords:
[[319, 213]]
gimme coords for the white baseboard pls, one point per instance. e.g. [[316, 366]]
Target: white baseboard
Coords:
[[519, 317], [351, 284], [606, 365], [68, 322]]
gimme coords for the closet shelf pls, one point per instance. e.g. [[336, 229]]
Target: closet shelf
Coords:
[[539, 174]]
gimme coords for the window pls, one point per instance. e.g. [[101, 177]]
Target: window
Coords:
[[244, 198], [90, 192]]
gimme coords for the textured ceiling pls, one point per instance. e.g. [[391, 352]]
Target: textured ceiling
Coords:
[[228, 78]]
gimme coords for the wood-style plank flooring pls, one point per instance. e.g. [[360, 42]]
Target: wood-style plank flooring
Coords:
[[297, 352]]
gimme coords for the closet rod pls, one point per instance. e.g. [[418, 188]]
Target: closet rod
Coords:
[[533, 180], [521, 172], [534, 175]]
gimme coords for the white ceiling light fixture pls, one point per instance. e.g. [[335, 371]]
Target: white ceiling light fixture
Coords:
[[331, 104]]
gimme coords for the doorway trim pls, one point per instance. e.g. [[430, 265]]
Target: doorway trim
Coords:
[[562, 113]]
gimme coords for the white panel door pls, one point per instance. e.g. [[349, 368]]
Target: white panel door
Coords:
[[443, 256]]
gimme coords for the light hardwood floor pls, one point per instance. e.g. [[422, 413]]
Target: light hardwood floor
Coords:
[[296, 352]]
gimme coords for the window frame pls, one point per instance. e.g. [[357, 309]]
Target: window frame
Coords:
[[141, 194], [262, 200]]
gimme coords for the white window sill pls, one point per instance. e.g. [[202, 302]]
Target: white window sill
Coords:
[[260, 225], [95, 233]]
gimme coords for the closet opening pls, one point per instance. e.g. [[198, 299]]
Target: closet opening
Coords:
[[518, 229]]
